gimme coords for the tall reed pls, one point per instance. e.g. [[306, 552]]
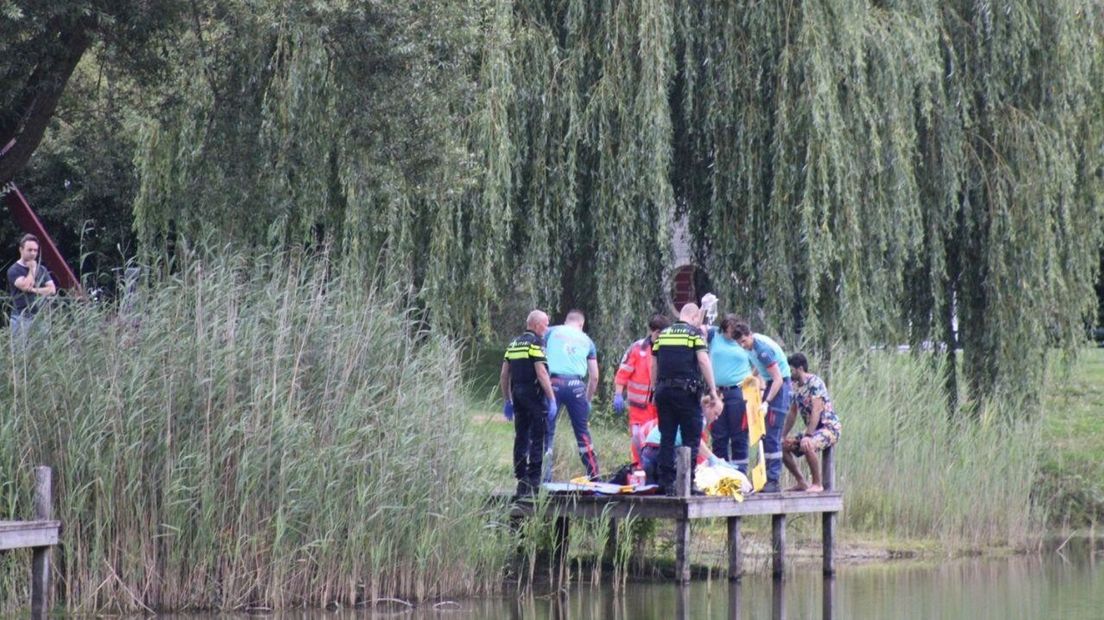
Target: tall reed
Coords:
[[912, 469], [258, 432]]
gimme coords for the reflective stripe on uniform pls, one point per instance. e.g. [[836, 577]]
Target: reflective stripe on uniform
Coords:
[[773, 455], [633, 385], [677, 340]]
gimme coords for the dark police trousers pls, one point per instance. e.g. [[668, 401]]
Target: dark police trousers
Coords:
[[530, 426], [679, 410]]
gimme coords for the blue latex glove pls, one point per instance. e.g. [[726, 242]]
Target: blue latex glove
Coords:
[[726, 464], [552, 407], [713, 461], [619, 403], [508, 410]]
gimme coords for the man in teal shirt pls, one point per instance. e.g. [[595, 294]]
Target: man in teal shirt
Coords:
[[731, 365], [573, 365], [771, 363]]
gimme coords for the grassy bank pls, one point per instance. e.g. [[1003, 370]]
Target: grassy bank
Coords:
[[1071, 481], [248, 434]]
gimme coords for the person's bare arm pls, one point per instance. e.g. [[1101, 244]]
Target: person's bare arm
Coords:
[[707, 372], [592, 379], [545, 380], [26, 283], [775, 382], [504, 382], [814, 417], [791, 418]]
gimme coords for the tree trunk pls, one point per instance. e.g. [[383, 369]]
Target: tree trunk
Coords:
[[42, 92]]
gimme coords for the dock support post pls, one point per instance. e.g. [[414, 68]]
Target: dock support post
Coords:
[[735, 568], [682, 524], [828, 519], [559, 551], [611, 542], [40, 564], [778, 545]]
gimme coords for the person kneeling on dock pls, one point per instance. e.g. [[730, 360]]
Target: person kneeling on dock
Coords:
[[652, 439], [822, 427]]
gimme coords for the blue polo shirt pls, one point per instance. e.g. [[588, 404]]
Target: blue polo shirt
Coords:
[[568, 349], [731, 362], [766, 352]]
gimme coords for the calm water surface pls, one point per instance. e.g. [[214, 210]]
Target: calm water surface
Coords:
[[1052, 586]]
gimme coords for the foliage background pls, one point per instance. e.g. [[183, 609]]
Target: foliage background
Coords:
[[848, 170]]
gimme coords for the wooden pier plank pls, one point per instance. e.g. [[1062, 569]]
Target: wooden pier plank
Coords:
[[20, 534], [695, 507]]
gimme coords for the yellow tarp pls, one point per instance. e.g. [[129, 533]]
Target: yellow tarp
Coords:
[[757, 427]]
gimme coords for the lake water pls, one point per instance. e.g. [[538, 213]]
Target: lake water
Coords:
[[1067, 586]]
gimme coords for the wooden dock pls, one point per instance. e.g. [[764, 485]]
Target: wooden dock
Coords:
[[39, 535], [684, 507]]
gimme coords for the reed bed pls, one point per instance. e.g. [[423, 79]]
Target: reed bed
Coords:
[[248, 433], [913, 469]]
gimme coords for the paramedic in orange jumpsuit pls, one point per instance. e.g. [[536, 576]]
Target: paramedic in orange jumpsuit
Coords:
[[632, 385]]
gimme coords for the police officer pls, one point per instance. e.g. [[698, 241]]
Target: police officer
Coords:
[[682, 373], [527, 389]]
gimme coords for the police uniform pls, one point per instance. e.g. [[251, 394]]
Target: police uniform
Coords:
[[530, 424], [679, 386]]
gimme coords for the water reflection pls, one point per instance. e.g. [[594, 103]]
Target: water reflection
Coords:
[[778, 599], [734, 600], [828, 598], [682, 609], [978, 589]]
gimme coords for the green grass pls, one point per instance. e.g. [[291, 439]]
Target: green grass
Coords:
[[1071, 484]]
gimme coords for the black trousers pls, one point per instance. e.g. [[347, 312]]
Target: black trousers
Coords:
[[679, 411], [530, 426]]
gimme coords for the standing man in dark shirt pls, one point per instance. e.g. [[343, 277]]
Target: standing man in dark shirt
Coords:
[[682, 373], [530, 401], [29, 283]]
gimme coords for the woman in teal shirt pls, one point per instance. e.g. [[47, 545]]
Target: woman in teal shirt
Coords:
[[731, 365]]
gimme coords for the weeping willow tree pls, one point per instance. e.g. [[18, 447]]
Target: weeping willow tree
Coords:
[[860, 171], [887, 171], [334, 123]]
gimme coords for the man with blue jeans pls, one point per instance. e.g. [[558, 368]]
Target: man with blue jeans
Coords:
[[770, 362], [572, 359], [29, 284]]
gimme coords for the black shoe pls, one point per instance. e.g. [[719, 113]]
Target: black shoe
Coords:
[[525, 489], [770, 487]]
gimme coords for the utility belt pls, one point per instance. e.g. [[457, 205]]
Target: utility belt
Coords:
[[730, 388], [694, 386], [557, 375]]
